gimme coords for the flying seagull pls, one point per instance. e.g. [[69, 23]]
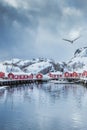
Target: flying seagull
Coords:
[[71, 41]]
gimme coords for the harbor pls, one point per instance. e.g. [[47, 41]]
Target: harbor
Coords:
[[63, 78], [43, 65], [43, 106]]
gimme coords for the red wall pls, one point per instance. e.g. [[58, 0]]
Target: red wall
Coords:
[[2, 75], [39, 76]]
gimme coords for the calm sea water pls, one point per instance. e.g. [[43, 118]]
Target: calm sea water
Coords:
[[43, 107]]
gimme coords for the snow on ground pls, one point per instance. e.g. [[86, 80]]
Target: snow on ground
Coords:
[[37, 67], [82, 52], [2, 68], [14, 61], [9, 68], [79, 61], [23, 62], [56, 73]]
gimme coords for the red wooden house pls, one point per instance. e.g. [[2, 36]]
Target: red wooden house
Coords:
[[84, 74], [11, 76], [2, 74], [74, 74], [66, 74], [39, 76]]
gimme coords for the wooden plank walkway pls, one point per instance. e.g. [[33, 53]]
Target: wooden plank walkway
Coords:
[[10, 82], [17, 82]]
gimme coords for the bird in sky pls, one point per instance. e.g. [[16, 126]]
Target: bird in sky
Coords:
[[71, 41]]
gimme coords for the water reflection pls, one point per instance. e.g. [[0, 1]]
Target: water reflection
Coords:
[[2, 92], [43, 106]]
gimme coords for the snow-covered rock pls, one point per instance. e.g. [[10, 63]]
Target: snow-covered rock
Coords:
[[79, 61], [39, 65]]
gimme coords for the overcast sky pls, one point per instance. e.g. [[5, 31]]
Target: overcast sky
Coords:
[[35, 28]]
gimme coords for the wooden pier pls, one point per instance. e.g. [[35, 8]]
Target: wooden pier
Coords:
[[18, 82], [11, 82]]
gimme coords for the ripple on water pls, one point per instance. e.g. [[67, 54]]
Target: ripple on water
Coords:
[[44, 106]]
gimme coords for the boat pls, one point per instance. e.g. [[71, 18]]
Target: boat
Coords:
[[61, 81]]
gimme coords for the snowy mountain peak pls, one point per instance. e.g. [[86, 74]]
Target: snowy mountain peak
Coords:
[[39, 65], [12, 61], [79, 61], [81, 52]]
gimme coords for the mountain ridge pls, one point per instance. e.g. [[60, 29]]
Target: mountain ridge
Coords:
[[79, 61], [39, 65], [43, 65]]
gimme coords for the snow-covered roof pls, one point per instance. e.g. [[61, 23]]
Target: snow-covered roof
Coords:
[[56, 73]]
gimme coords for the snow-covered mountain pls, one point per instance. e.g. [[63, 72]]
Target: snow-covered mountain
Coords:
[[43, 65], [39, 65], [79, 60]]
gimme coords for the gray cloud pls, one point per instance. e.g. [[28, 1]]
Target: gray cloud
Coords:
[[34, 28]]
